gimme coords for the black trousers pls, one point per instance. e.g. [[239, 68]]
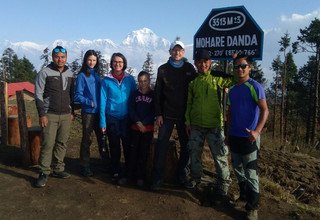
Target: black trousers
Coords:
[[139, 149]]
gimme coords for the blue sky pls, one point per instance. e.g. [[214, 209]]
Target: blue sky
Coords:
[[45, 21]]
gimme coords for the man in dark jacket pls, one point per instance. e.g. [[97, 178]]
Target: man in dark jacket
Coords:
[[170, 99], [54, 95]]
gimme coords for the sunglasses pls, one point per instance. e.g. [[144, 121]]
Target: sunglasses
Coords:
[[57, 50], [242, 66]]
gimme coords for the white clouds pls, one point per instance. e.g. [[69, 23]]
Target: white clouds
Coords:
[[300, 18], [287, 23]]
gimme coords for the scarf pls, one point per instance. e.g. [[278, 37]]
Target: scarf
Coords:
[[176, 64]]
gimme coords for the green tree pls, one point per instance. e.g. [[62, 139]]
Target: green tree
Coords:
[[276, 67], [104, 66], [309, 41], [75, 66], [148, 64], [23, 71], [130, 70], [45, 57], [257, 74], [304, 85], [7, 60], [291, 71], [284, 45]]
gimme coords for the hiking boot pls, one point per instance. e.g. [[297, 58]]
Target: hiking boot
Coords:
[[42, 180], [182, 180], [191, 184], [252, 214], [86, 172], [140, 183], [61, 174], [115, 177], [238, 203], [122, 181], [156, 185], [219, 199]]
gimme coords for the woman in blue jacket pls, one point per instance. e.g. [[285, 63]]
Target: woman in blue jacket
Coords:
[[116, 88], [87, 93]]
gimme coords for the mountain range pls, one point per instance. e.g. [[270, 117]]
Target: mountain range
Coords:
[[135, 47]]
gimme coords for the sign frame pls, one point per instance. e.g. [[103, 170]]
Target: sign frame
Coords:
[[230, 30]]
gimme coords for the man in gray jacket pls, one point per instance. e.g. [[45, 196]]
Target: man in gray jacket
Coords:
[[54, 95]]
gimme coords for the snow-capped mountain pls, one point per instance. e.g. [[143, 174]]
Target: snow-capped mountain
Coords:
[[145, 38], [135, 47]]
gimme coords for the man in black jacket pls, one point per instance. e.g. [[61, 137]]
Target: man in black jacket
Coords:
[[171, 92]]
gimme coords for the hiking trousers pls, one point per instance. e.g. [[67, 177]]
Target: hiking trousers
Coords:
[[162, 147], [90, 123], [245, 164], [54, 143], [219, 152]]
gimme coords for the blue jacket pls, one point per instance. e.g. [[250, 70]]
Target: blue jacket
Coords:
[[115, 97], [88, 91]]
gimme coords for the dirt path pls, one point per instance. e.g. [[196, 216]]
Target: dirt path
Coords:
[[99, 198]]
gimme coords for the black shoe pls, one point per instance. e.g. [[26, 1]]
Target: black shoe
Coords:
[[140, 183], [156, 185], [122, 181], [62, 174], [42, 180], [239, 203], [219, 199], [86, 172], [252, 215], [115, 177], [191, 183]]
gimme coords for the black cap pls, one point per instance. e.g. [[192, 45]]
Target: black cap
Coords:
[[202, 54]]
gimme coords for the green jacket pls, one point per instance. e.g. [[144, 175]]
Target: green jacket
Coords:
[[204, 107]]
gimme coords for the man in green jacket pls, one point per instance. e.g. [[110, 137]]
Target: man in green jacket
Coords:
[[204, 121]]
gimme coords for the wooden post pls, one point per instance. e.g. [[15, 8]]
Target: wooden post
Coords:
[[4, 112], [13, 130], [24, 142], [34, 135], [170, 164]]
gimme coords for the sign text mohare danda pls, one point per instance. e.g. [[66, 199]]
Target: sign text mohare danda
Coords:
[[229, 41]]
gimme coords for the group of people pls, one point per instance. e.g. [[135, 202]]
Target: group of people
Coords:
[[186, 98]]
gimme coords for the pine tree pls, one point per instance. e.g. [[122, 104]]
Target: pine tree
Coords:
[[130, 70], [257, 73], [45, 57], [276, 67], [104, 66], [8, 56], [23, 71], [309, 41], [148, 64], [284, 44], [75, 66]]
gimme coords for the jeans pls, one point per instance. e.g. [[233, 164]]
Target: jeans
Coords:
[[117, 132], [219, 152], [161, 149], [90, 123], [54, 143]]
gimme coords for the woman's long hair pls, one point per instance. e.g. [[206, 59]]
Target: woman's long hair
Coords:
[[84, 68]]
